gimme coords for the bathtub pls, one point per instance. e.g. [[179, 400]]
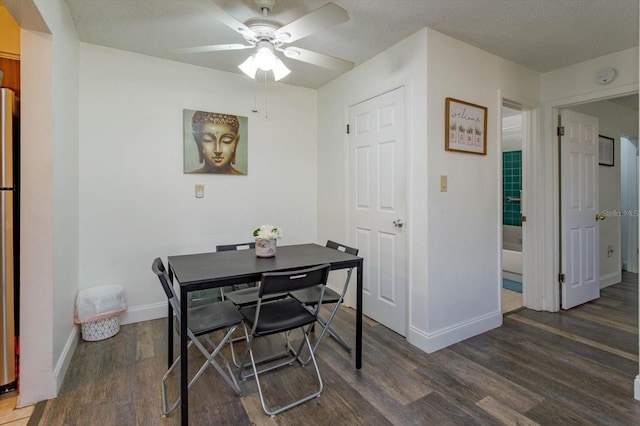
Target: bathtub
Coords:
[[512, 252]]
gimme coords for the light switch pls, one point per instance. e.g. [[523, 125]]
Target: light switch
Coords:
[[199, 191], [443, 183]]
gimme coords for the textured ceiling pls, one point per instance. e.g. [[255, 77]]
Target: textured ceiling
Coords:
[[539, 34]]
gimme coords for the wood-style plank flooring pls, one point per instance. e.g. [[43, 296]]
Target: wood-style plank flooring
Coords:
[[10, 415], [575, 367]]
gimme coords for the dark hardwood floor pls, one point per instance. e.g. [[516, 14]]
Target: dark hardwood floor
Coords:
[[572, 367]]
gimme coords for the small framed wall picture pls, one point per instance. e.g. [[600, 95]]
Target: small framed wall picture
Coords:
[[465, 127], [605, 151]]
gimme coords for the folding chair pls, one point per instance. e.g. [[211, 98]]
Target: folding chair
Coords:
[[248, 295], [309, 297], [269, 317], [201, 320]]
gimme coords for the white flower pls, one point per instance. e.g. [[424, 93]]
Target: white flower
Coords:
[[267, 232]]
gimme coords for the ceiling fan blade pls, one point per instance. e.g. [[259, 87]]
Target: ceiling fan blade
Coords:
[[318, 59], [208, 6], [213, 48], [320, 19]]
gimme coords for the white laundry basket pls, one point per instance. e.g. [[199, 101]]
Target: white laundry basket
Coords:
[[98, 311]]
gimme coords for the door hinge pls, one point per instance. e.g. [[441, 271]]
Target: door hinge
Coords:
[[347, 129], [561, 131], [561, 278], [523, 218]]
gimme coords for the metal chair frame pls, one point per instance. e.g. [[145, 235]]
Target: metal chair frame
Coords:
[[227, 320], [336, 298], [282, 316]]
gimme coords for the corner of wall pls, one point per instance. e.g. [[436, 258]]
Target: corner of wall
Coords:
[[64, 361], [432, 342], [144, 313]]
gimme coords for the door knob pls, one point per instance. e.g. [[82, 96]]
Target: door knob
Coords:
[[600, 216], [398, 223]]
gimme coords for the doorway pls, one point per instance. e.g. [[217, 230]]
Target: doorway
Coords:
[[512, 176], [617, 117]]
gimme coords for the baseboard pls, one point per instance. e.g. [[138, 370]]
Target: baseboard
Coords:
[[65, 358], [431, 342], [133, 315], [636, 388], [144, 313], [610, 279]]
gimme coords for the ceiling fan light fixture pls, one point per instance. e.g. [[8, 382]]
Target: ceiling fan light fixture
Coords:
[[280, 70], [265, 59], [249, 67]]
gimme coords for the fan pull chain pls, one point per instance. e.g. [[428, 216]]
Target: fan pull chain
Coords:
[[266, 109], [255, 96]]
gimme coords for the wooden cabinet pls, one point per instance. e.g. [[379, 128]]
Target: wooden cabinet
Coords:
[[11, 68], [9, 50]]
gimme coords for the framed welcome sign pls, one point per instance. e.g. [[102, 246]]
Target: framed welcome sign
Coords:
[[466, 127]]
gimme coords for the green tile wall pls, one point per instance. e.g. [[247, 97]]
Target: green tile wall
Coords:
[[511, 187]]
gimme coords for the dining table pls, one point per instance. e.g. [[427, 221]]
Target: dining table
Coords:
[[226, 268]]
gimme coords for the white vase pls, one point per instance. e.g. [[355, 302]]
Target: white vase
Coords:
[[265, 248]]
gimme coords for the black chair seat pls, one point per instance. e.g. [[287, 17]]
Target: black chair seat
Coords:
[[220, 315], [279, 316], [249, 296], [309, 296]]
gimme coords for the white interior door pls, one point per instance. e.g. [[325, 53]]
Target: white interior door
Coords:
[[377, 212], [579, 208]]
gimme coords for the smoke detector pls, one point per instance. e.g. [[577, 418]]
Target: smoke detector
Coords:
[[606, 75]]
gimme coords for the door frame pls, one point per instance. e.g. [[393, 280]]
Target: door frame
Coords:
[[531, 268], [547, 160]]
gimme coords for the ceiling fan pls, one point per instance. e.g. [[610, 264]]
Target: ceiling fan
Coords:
[[267, 35]]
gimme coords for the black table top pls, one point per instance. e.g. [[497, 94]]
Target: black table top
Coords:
[[218, 269]]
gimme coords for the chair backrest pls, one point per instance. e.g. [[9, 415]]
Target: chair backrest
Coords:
[[282, 282], [158, 268], [241, 246], [342, 247]]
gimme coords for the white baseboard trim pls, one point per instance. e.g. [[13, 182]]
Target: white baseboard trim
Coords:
[[431, 342], [610, 279], [65, 358], [144, 313], [636, 388]]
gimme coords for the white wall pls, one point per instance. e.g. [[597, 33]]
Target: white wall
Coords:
[[629, 200], [65, 184], [404, 64], [49, 205], [135, 201], [36, 238], [453, 242], [463, 282], [560, 88], [614, 121]]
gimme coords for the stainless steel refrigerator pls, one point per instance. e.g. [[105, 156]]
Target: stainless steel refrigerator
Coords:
[[9, 146]]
